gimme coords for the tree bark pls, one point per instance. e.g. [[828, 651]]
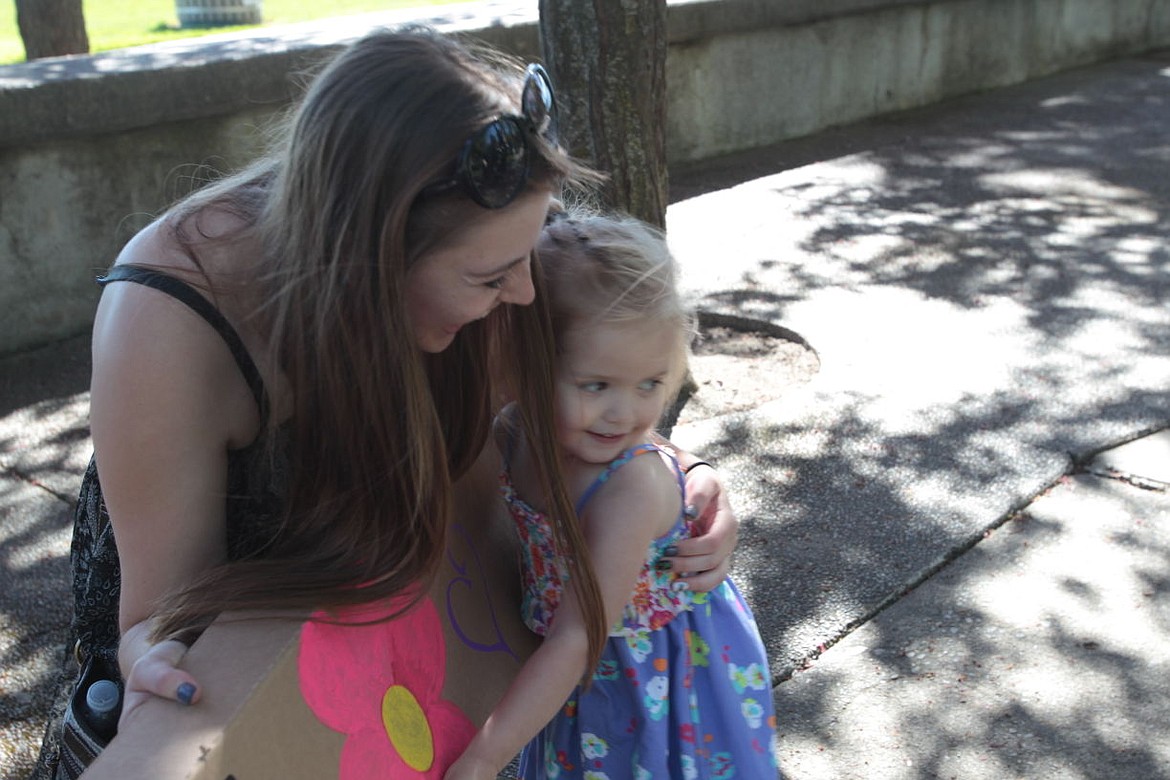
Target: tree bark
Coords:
[[51, 28], [607, 59]]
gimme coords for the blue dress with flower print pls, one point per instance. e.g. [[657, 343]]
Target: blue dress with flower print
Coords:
[[682, 690]]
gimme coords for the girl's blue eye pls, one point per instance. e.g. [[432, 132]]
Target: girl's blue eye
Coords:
[[650, 385], [495, 284], [593, 387]]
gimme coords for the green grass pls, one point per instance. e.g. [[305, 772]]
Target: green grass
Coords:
[[117, 24]]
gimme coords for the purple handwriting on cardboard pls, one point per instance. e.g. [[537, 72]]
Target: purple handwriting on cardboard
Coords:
[[466, 579]]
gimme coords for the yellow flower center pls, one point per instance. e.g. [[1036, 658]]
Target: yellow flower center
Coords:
[[406, 725]]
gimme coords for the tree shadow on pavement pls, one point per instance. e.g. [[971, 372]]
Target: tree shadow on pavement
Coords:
[[44, 445], [1040, 654], [1027, 227]]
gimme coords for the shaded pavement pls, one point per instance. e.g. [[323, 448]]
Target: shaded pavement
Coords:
[[957, 570], [949, 581]]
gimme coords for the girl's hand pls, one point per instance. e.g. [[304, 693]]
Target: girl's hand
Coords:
[[704, 561], [156, 673]]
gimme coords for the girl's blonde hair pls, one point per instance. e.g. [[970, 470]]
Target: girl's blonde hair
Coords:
[[595, 269], [379, 430], [613, 269]]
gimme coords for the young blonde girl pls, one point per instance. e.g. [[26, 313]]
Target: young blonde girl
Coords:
[[681, 688]]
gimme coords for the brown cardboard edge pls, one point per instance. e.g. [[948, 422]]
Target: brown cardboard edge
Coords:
[[244, 663]]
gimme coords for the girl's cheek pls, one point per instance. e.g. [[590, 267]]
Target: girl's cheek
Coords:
[[576, 412]]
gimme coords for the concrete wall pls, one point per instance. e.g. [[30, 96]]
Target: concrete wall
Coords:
[[774, 79], [90, 147]]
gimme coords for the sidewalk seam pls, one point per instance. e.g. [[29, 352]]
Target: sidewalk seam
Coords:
[[952, 555], [1129, 478], [19, 475]]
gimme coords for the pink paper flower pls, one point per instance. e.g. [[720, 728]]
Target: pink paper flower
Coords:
[[381, 685]]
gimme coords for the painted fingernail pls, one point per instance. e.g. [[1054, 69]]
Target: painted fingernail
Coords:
[[680, 585], [663, 565], [671, 551], [185, 693], [691, 511]]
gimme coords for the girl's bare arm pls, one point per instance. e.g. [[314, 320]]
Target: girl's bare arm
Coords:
[[640, 501]]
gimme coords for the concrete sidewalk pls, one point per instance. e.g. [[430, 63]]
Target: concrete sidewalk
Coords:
[[955, 573], [945, 586]]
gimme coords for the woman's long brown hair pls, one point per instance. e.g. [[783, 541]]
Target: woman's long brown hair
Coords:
[[378, 430]]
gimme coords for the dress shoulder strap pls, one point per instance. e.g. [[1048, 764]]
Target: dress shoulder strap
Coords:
[[180, 290], [616, 464]]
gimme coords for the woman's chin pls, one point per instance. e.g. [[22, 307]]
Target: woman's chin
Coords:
[[435, 343]]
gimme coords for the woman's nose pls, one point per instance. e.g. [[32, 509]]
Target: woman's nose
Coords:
[[518, 287]]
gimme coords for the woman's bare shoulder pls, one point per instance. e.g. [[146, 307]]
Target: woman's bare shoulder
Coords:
[[145, 336], [154, 246], [209, 248]]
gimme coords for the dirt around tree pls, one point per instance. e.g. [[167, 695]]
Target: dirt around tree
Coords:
[[738, 364]]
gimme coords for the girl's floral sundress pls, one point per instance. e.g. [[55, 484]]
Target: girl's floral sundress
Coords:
[[683, 688]]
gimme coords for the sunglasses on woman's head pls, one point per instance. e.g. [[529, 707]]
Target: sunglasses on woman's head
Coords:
[[492, 167]]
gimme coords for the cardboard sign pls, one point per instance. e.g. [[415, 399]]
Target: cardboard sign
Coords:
[[289, 698]]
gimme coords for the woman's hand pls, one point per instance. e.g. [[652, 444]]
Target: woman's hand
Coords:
[[703, 561], [154, 673]]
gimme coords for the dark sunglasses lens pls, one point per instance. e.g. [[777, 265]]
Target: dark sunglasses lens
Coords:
[[494, 163]]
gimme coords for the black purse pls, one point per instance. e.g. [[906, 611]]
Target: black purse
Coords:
[[85, 733]]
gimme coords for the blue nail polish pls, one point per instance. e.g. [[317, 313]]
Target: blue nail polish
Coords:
[[663, 565], [691, 512], [185, 693], [671, 551]]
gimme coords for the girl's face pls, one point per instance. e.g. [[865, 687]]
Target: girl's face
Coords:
[[488, 265], [611, 386]]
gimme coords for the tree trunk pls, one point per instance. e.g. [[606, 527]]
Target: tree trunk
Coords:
[[607, 59], [50, 28]]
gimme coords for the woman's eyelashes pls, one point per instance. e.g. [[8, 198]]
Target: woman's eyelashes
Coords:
[[498, 282]]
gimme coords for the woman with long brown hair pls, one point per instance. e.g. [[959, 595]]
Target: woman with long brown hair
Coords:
[[300, 452]]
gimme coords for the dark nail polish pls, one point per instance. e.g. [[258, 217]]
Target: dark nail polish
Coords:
[[671, 551], [691, 511], [185, 693], [663, 565]]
